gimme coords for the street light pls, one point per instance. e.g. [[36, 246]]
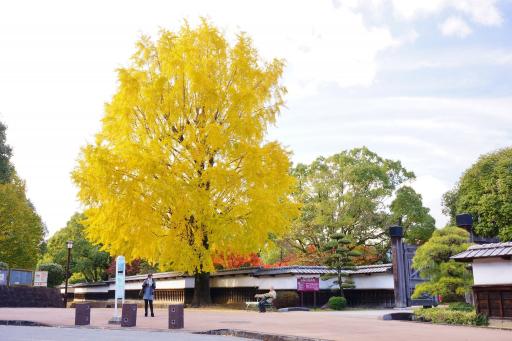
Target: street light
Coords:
[[70, 246]]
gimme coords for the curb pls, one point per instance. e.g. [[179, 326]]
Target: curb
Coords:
[[23, 323], [257, 336]]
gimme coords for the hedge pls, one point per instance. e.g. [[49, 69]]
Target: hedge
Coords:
[[286, 299], [447, 316]]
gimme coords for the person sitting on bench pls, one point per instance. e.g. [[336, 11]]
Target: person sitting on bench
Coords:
[[265, 299]]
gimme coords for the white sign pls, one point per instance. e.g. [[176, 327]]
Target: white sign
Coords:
[[120, 275], [41, 278]]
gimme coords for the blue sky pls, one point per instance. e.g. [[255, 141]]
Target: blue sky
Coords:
[[425, 82]]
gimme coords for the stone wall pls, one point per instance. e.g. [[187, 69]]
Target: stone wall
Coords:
[[30, 297]]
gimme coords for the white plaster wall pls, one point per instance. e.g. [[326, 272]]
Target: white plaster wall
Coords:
[[374, 281], [278, 282], [176, 283], [234, 281], [179, 283], [285, 282], [102, 289], [492, 271]]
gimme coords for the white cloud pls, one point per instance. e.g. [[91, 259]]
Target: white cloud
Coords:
[[484, 12], [455, 27], [432, 189]]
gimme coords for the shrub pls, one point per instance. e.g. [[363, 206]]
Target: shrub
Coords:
[[56, 273], [461, 306], [337, 303], [447, 316], [286, 299], [4, 266], [77, 277]]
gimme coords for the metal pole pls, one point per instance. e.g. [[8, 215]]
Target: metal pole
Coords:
[[67, 276]]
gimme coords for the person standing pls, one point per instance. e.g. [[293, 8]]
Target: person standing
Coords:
[[148, 289]]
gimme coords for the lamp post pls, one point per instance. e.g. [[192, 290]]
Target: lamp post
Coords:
[[69, 246]]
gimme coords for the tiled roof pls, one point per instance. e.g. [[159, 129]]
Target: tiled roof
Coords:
[[485, 251], [370, 269], [239, 271], [303, 270], [294, 270]]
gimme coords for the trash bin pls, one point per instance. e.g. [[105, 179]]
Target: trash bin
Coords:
[[129, 315], [176, 320], [82, 314]]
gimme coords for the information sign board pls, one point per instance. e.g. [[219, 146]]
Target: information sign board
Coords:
[[41, 278], [308, 284]]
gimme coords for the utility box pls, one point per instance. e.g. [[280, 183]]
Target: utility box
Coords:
[[129, 315], [82, 314], [176, 318]]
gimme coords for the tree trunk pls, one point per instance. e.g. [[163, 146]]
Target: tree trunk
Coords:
[[340, 283], [202, 295]]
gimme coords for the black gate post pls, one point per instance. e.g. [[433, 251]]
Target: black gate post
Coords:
[[397, 249]]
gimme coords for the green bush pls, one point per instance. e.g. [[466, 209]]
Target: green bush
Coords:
[[4, 266], [56, 273], [337, 303], [461, 306], [447, 316], [286, 299], [77, 277]]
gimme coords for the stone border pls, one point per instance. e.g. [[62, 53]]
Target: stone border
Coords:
[[23, 323], [257, 336]]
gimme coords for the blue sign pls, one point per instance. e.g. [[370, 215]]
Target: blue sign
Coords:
[[120, 276], [20, 277]]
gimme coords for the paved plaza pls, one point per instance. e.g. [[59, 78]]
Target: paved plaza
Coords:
[[351, 325]]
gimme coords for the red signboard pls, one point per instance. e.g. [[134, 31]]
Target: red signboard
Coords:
[[308, 284]]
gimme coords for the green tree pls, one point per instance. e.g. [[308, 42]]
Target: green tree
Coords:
[[86, 258], [6, 168], [21, 229], [485, 191], [346, 193], [417, 222], [339, 257], [445, 276], [56, 273]]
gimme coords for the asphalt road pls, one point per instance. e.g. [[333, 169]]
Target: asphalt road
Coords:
[[18, 333]]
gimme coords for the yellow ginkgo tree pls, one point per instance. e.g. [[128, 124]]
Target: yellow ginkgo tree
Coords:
[[180, 170]]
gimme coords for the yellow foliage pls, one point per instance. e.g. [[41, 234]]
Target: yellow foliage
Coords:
[[180, 171]]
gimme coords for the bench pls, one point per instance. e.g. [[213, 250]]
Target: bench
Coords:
[[254, 306]]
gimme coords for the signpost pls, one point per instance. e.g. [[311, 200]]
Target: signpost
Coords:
[[41, 278], [308, 284], [3, 277], [119, 294]]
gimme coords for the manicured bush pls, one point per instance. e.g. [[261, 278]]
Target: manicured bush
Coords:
[[337, 303], [56, 273], [461, 306], [447, 316], [286, 299]]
